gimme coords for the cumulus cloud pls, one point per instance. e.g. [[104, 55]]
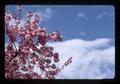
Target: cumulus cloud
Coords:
[[83, 33], [45, 15], [105, 14], [91, 59], [81, 15]]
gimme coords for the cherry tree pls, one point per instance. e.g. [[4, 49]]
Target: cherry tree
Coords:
[[27, 48]]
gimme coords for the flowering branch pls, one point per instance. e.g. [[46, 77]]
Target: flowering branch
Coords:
[[33, 51]]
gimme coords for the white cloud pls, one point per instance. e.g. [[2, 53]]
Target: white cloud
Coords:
[[104, 14], [91, 59], [83, 34], [45, 15], [81, 15], [12, 22]]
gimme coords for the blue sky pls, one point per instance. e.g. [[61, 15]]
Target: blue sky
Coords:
[[77, 21], [88, 32]]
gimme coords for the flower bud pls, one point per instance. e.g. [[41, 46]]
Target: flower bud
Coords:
[[53, 66], [56, 59], [30, 14], [17, 22], [27, 37], [48, 61], [55, 55]]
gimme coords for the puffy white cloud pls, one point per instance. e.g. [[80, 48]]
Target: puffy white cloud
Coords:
[[91, 59], [45, 15], [104, 14], [83, 33], [81, 15]]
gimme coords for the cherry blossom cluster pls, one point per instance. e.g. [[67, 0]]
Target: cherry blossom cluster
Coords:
[[31, 51]]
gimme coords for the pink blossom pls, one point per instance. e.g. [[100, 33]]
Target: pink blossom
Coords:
[[26, 54], [30, 14]]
